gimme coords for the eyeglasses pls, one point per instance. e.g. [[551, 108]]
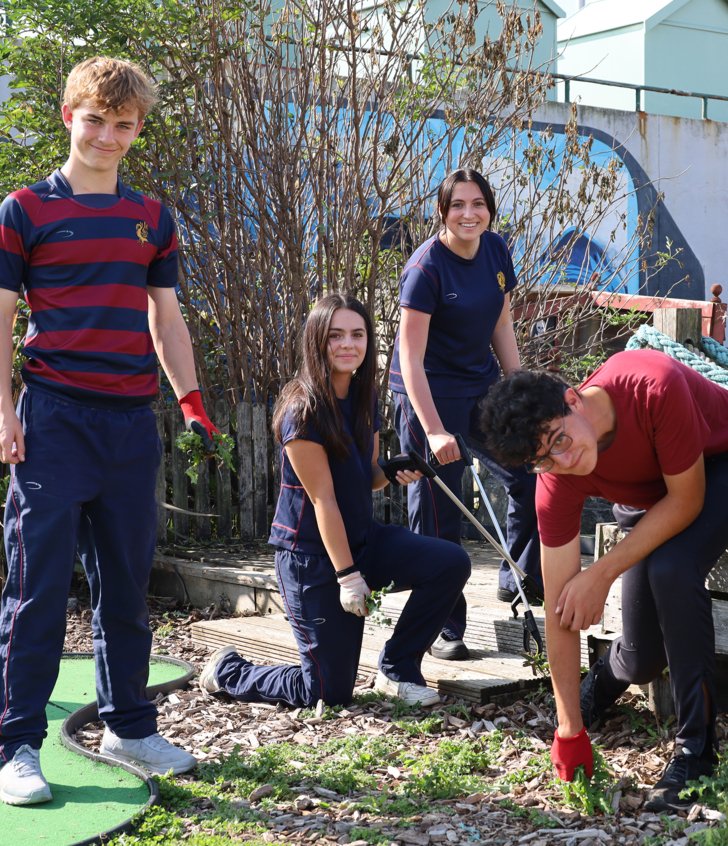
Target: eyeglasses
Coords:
[[561, 444]]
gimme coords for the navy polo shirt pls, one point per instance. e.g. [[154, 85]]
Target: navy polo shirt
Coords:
[[294, 523], [465, 299]]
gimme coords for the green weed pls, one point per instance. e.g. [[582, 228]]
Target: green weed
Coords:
[[674, 827], [590, 796], [538, 662], [369, 835], [537, 766], [190, 443], [267, 765], [431, 724], [450, 770], [537, 818], [374, 606], [713, 790], [711, 836], [391, 805], [181, 819]]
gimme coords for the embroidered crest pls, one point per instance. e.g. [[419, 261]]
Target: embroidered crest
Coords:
[[142, 231], [501, 277]]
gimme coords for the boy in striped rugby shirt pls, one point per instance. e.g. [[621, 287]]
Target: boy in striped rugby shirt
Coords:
[[97, 264]]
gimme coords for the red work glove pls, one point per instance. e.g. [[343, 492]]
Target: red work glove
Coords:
[[196, 420], [568, 753]]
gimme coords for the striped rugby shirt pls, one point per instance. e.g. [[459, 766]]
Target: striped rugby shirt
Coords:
[[83, 265]]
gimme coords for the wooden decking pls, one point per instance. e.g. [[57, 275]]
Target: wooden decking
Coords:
[[496, 668]]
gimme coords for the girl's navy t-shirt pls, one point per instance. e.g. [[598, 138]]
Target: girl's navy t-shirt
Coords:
[[294, 524], [465, 298]]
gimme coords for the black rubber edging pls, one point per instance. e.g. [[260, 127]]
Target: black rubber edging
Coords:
[[89, 714]]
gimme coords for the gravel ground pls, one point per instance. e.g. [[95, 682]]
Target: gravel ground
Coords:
[[636, 749]]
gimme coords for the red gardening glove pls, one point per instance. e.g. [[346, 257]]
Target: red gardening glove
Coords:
[[568, 753], [196, 419]]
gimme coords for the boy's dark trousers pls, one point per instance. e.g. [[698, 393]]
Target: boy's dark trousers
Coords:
[[87, 486], [667, 616]]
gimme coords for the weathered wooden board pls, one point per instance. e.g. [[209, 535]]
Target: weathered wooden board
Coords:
[[608, 534], [270, 639]]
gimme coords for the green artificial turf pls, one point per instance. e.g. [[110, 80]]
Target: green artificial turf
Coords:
[[88, 797]]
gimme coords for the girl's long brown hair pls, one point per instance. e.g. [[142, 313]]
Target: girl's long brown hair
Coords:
[[310, 396]]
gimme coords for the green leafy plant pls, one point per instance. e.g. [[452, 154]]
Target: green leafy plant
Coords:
[[191, 444], [453, 767], [590, 796], [538, 662], [713, 790], [374, 606]]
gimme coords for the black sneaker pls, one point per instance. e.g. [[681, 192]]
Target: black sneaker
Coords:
[[508, 595], [683, 767], [599, 690], [590, 712], [449, 649]]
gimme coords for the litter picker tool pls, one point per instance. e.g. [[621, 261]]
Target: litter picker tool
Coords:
[[530, 629], [524, 582]]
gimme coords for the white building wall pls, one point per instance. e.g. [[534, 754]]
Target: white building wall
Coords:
[[685, 159]]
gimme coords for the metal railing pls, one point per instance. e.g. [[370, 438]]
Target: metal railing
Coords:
[[638, 90]]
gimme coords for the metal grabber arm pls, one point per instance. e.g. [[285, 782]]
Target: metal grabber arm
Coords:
[[530, 629]]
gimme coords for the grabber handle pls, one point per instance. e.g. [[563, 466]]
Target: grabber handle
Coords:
[[421, 465], [465, 453]]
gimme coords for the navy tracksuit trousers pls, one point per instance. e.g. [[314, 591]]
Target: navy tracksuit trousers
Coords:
[[87, 486], [329, 639], [432, 513], [667, 615]]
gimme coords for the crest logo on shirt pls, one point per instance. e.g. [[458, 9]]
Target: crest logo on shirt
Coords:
[[501, 277], [142, 231]]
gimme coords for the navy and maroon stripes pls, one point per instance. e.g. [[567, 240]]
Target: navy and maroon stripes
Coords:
[[84, 266]]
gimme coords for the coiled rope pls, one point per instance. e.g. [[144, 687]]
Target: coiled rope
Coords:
[[648, 336]]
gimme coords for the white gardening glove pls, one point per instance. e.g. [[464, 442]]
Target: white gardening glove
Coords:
[[353, 593]]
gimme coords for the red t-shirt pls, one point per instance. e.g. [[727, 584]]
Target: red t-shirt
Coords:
[[666, 413]]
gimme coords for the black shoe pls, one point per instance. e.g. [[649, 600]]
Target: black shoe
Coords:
[[449, 649], [508, 595], [590, 712], [598, 692], [684, 766]]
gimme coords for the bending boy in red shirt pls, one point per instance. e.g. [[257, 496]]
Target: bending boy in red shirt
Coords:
[[650, 434]]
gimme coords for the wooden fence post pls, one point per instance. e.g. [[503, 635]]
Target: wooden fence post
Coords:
[[201, 525], [223, 484], [180, 498], [679, 324], [243, 416], [260, 470]]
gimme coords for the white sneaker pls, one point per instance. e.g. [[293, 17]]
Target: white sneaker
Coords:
[[21, 780], [407, 692], [152, 753], [208, 674]]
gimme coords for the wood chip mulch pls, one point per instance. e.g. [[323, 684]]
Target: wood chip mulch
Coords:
[[635, 747]]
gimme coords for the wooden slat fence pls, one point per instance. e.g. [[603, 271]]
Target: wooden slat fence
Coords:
[[238, 500], [242, 501]]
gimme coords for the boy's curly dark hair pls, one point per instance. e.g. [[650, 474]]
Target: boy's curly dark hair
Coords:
[[517, 411]]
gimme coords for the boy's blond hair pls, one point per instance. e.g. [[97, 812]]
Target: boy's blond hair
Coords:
[[111, 84]]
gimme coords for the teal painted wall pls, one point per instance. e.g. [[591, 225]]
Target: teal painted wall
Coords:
[[689, 51], [616, 55]]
